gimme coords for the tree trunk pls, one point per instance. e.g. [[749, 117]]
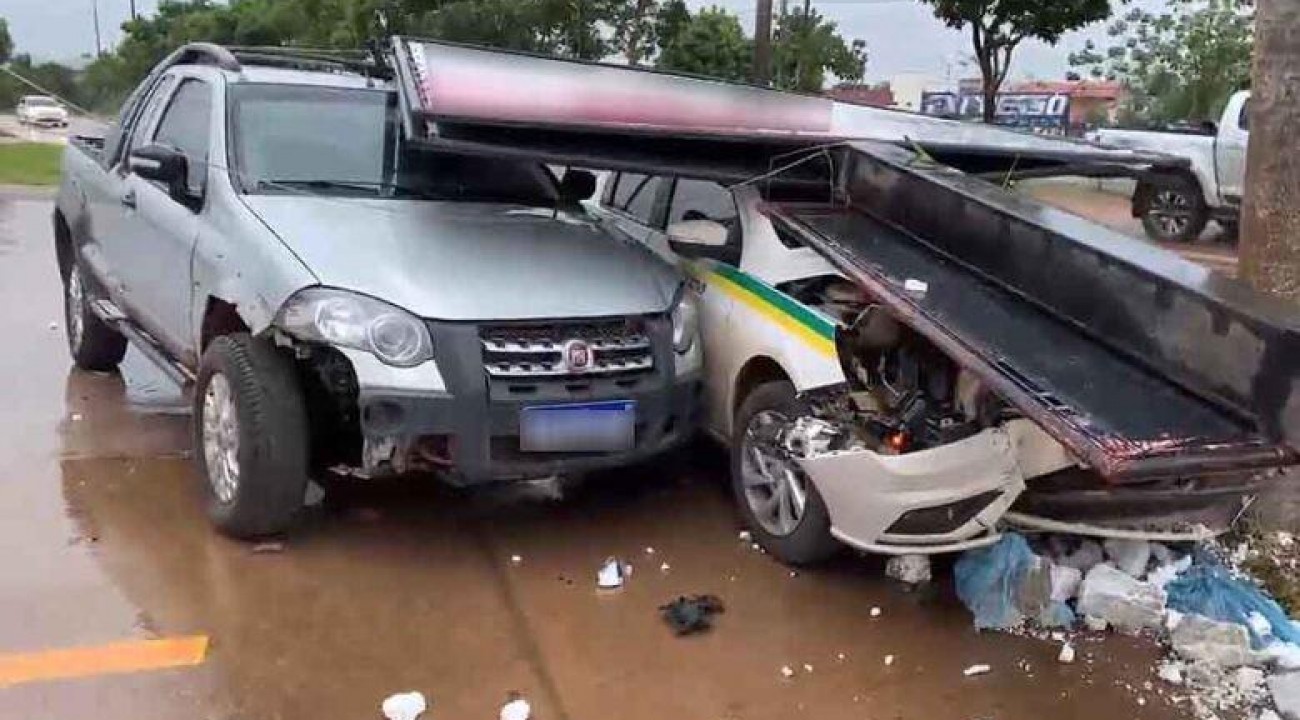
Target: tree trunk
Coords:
[[1270, 222], [762, 70]]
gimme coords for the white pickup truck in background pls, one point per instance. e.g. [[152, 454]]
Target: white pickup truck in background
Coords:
[[1175, 206]]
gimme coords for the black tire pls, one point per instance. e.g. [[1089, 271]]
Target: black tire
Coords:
[[1174, 209], [810, 542], [93, 344], [272, 432]]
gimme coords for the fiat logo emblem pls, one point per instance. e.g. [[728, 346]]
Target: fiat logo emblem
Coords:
[[577, 356]]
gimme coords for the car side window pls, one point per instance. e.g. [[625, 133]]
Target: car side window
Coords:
[[636, 195], [185, 126], [1243, 120], [153, 105], [701, 200]]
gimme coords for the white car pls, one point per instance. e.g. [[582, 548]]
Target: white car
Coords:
[[773, 317], [41, 110]]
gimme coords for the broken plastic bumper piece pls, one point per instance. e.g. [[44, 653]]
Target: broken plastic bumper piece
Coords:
[[942, 499]]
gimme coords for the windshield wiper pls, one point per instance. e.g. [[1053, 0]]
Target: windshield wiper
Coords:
[[364, 185]]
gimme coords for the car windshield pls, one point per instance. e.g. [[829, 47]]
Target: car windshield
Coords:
[[346, 142], [41, 102]]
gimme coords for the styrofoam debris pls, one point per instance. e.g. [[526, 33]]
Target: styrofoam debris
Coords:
[[875, 612], [1088, 554], [1066, 655], [404, 706], [1285, 690], [745, 536], [787, 671], [1259, 625], [611, 575], [916, 287], [1202, 640], [977, 670], [1095, 624], [1121, 600], [1172, 618], [911, 569], [649, 550], [1249, 680], [665, 567], [889, 660], [1065, 582], [841, 657], [1283, 539], [516, 559], [1282, 655], [1268, 714], [1168, 572], [1171, 672], [516, 709], [1131, 556], [807, 668]]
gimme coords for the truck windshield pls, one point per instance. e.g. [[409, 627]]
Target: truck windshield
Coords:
[[346, 142]]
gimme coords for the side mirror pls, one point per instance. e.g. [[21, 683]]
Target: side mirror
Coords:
[[709, 233], [161, 164], [576, 186]]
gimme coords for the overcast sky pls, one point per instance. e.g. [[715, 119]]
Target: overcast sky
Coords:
[[901, 35]]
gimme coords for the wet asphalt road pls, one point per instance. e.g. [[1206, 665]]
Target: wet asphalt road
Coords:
[[409, 587]]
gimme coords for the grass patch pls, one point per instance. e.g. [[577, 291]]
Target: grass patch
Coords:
[[30, 163]]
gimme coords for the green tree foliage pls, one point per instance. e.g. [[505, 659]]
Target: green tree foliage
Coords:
[[1180, 65], [712, 43], [997, 27], [6, 42], [806, 46]]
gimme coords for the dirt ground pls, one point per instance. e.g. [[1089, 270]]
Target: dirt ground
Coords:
[[388, 588]]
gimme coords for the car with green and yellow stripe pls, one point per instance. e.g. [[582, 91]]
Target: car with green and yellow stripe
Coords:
[[908, 458]]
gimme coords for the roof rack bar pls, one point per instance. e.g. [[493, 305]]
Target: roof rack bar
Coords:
[[202, 53]]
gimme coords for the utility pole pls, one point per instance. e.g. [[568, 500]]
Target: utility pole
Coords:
[[94, 11], [1270, 224], [762, 71], [133, 15]]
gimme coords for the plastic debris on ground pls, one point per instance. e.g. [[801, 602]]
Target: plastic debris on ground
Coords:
[[787, 671], [516, 708], [875, 612], [1208, 588], [1235, 652], [1006, 584], [911, 569], [974, 670], [612, 574], [690, 615], [404, 706]]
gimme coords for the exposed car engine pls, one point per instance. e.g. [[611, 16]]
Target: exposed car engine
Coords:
[[904, 393]]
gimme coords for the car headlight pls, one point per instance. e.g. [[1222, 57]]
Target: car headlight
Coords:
[[338, 317], [686, 323]]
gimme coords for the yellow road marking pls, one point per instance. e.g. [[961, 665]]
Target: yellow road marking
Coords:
[[121, 657], [785, 322]]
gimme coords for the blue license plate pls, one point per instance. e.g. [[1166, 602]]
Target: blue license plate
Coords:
[[584, 427]]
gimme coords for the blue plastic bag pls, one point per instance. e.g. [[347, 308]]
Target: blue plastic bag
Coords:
[[1207, 588], [994, 583]]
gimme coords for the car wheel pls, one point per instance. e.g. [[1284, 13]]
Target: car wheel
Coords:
[[93, 343], [250, 436], [1175, 210], [777, 500]]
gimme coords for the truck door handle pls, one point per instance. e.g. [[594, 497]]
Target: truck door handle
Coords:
[[128, 198]]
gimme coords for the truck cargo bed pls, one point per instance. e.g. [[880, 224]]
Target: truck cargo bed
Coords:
[[1078, 335]]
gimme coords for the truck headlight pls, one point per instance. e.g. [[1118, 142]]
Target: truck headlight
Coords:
[[338, 317], [686, 323]]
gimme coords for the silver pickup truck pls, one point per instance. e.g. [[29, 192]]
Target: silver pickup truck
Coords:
[[343, 302]]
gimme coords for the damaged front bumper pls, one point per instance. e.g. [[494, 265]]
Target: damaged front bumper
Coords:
[[943, 499]]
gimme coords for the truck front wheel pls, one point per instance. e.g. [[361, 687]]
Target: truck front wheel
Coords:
[[93, 344], [250, 436], [776, 498], [1174, 209]]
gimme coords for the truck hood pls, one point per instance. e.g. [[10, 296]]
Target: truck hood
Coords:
[[469, 261]]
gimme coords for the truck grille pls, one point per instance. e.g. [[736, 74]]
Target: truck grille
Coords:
[[537, 352]]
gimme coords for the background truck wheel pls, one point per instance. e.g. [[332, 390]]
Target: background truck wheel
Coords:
[[778, 502], [93, 344], [1174, 209], [250, 436]]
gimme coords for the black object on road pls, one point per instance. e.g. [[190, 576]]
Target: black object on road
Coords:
[[690, 615]]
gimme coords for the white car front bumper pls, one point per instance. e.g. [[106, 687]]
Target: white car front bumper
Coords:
[[943, 499]]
